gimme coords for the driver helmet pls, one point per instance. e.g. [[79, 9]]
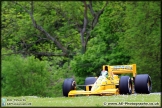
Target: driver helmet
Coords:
[[104, 73]]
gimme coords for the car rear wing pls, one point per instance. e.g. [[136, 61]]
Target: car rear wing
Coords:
[[121, 69]]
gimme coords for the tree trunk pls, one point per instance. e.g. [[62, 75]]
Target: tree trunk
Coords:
[[96, 16]]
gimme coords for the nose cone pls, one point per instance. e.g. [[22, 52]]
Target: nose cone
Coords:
[[98, 84]]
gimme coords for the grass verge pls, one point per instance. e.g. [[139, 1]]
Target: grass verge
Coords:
[[134, 100]]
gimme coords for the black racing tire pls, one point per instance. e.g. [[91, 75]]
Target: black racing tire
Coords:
[[143, 84], [90, 80], [67, 86], [125, 85]]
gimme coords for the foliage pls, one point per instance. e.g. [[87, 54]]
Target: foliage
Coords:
[[33, 76], [103, 48], [142, 38], [27, 40], [24, 76]]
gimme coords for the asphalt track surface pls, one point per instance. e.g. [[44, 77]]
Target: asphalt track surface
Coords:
[[153, 93], [156, 93]]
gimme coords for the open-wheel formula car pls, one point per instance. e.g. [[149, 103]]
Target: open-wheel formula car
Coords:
[[109, 83]]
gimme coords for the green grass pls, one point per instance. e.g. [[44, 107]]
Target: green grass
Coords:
[[95, 101]]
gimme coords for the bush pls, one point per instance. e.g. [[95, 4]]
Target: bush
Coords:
[[24, 76]]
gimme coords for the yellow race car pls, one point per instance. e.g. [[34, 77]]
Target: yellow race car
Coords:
[[109, 83]]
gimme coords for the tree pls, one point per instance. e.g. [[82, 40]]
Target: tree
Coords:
[[103, 48], [53, 23], [142, 38], [89, 23], [47, 18]]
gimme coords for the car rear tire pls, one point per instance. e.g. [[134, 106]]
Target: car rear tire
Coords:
[[143, 83], [125, 85], [68, 85], [90, 80]]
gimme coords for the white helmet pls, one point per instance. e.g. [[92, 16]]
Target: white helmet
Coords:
[[104, 73]]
